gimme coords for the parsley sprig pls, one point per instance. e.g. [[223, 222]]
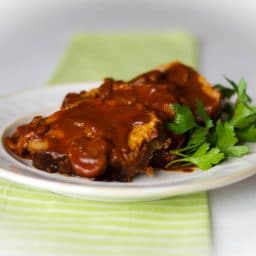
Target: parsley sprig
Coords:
[[183, 120], [210, 142], [204, 157]]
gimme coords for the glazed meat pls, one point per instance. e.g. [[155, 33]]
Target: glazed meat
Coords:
[[117, 130]]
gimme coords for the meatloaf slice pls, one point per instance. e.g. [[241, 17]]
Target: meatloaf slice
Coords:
[[90, 137]]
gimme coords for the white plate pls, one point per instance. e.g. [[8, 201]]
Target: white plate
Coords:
[[21, 107]]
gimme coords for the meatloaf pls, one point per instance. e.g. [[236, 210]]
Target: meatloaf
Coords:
[[117, 130]]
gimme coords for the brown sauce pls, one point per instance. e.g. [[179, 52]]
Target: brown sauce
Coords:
[[186, 169], [115, 129]]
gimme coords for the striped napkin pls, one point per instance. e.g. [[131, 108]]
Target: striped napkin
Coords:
[[34, 222]]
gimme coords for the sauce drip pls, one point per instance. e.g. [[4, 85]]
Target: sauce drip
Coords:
[[181, 168]]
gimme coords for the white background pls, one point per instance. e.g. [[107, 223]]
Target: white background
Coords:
[[33, 35]]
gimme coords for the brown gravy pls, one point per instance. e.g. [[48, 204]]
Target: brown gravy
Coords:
[[114, 128]]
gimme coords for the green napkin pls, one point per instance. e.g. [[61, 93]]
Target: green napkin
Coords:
[[93, 57], [36, 222]]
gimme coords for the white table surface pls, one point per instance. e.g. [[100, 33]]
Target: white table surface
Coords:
[[33, 35]]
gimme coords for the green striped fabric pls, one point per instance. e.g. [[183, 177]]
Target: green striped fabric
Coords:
[[34, 222]]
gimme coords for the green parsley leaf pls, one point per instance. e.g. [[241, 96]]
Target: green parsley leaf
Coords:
[[196, 139], [237, 151], [241, 93], [226, 140], [203, 157], [232, 83], [212, 137], [225, 91], [203, 114], [183, 119], [225, 134], [247, 134], [251, 119], [243, 115], [240, 89]]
